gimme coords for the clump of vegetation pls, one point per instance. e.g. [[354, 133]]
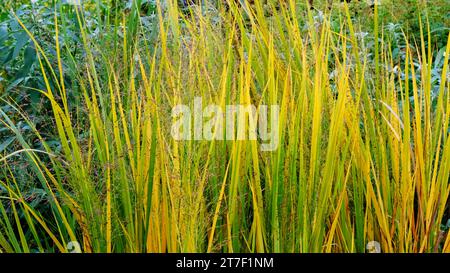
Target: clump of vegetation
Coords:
[[86, 153]]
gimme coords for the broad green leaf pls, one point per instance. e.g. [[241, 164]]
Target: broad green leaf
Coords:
[[21, 41], [6, 143]]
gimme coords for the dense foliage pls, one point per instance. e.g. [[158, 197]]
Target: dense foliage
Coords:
[[86, 154]]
